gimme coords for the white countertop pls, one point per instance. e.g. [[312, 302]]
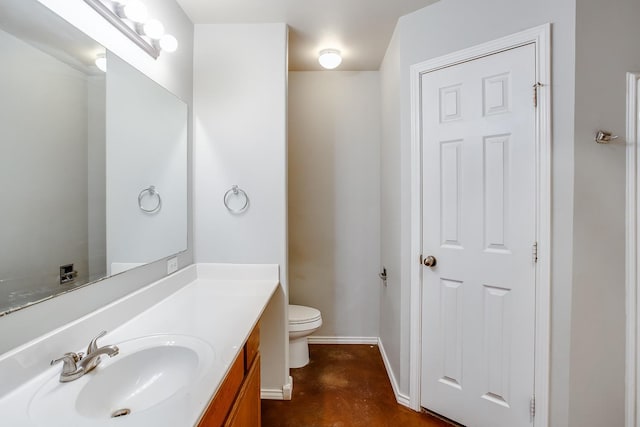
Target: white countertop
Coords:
[[219, 311]]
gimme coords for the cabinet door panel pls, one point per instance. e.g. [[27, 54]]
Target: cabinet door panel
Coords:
[[246, 409], [219, 407], [251, 347]]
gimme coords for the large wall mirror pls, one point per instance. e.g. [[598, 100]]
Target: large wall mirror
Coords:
[[93, 170]]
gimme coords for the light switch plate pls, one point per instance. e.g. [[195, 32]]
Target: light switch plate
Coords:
[[172, 265]]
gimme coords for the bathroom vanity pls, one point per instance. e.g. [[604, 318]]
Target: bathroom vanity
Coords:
[[189, 354], [103, 164], [237, 402]]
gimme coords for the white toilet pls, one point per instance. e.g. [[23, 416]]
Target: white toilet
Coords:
[[303, 321]]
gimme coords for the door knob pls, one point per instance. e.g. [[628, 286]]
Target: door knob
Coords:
[[430, 261]]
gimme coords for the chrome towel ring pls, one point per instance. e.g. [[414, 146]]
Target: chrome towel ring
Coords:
[[150, 192], [236, 191]]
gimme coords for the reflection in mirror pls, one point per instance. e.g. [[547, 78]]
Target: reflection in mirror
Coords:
[[146, 152], [74, 161], [51, 123]]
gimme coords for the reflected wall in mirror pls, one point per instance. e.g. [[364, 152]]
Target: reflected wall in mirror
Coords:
[[146, 153], [78, 146]]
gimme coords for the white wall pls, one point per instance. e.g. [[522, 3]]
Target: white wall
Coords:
[[451, 25], [175, 72], [391, 308], [240, 84], [598, 324], [240, 138], [43, 130], [334, 198]]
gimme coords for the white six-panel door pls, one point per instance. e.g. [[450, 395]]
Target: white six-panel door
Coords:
[[479, 222]]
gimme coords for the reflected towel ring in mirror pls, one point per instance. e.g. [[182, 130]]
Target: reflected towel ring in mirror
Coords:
[[151, 192], [236, 192]]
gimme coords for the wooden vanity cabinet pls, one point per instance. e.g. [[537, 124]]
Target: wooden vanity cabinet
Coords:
[[245, 411], [237, 401]]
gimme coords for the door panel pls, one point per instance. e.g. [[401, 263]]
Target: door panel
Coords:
[[450, 174], [478, 309], [451, 315]]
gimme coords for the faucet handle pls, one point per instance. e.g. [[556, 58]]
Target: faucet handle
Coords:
[[93, 345], [69, 360]]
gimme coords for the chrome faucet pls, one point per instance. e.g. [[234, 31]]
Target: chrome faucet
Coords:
[[77, 364]]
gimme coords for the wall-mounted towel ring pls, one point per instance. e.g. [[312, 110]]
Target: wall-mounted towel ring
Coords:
[[150, 192], [236, 191]]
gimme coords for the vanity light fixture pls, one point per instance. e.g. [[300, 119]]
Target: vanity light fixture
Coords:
[[153, 29], [329, 58], [134, 11], [168, 43], [101, 62], [132, 19]]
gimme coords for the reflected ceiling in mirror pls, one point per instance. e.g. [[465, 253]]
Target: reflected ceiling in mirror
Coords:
[[73, 165]]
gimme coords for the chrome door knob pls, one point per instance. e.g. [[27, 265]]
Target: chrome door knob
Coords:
[[430, 261]]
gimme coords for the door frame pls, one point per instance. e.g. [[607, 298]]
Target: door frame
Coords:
[[541, 37], [632, 251]]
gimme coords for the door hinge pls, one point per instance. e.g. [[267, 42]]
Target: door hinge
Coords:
[[535, 93], [532, 408], [534, 252]]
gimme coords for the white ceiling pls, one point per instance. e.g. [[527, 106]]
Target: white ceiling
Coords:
[[361, 29]]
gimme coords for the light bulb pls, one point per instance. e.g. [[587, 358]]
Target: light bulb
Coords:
[[168, 43], [136, 11], [154, 29], [101, 62], [329, 58]]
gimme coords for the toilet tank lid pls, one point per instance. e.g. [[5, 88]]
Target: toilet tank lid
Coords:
[[301, 313]]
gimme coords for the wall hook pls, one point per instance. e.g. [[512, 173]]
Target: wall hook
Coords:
[[383, 275], [604, 137]]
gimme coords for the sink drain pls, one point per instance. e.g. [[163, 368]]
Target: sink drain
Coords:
[[120, 413]]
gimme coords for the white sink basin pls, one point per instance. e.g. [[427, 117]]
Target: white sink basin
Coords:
[[148, 371]]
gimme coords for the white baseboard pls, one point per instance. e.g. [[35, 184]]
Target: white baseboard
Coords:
[[402, 399], [287, 389], [342, 340], [271, 394], [278, 394]]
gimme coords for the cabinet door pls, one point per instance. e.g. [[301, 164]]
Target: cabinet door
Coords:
[[224, 398], [251, 348], [246, 409]]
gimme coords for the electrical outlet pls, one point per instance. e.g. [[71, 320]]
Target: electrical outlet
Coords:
[[67, 274], [172, 265]]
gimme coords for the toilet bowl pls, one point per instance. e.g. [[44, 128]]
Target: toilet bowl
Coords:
[[303, 321]]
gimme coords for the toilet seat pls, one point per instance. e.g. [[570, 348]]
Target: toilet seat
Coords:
[[302, 318]]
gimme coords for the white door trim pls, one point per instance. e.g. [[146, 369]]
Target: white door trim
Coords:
[[541, 38], [632, 261]]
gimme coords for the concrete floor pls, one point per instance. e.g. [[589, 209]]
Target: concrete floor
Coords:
[[343, 386]]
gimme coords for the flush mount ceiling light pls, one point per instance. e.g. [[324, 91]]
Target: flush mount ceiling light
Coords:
[[101, 62], [329, 58], [132, 19]]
